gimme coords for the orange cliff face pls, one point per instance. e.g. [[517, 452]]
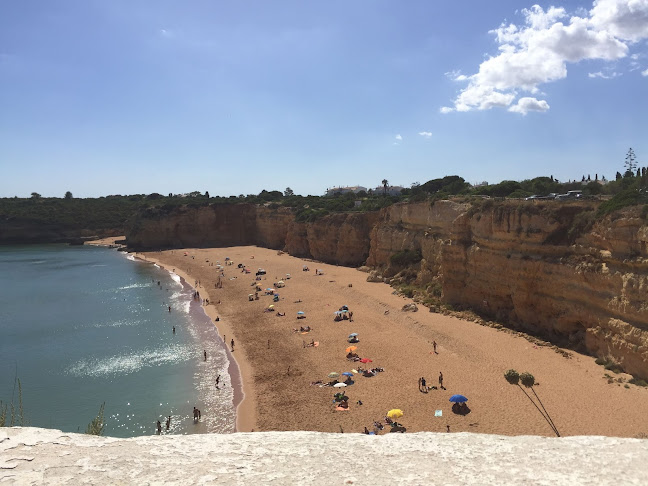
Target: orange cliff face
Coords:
[[544, 267]]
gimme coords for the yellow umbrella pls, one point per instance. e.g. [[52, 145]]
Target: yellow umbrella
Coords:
[[395, 413], [351, 349]]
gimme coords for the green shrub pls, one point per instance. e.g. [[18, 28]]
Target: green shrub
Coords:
[[404, 258], [638, 382], [96, 427]]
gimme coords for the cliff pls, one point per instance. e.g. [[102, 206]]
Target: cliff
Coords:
[[41, 456], [548, 268], [338, 238]]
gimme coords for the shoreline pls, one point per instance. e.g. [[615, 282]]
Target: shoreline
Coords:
[[244, 411], [276, 366]]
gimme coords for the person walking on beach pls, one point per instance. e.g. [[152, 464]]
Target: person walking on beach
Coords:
[[218, 380], [159, 428], [232, 345], [423, 385], [440, 379], [350, 316], [434, 346]]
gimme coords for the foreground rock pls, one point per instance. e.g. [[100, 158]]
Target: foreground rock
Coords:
[[42, 456]]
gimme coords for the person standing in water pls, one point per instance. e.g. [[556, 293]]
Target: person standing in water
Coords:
[[173, 329], [205, 354], [168, 422], [232, 345]]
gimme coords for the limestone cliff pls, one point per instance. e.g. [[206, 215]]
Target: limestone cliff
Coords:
[[545, 267], [536, 266], [338, 238]]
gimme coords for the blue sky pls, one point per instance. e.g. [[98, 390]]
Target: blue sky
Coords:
[[232, 97]]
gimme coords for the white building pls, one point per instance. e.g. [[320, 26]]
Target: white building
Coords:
[[391, 190], [344, 190]]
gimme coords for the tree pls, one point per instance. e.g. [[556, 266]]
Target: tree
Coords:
[[630, 161], [385, 182], [207, 194], [68, 195], [35, 195], [527, 379], [288, 192]]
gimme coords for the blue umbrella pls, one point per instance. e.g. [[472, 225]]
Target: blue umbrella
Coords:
[[347, 373], [458, 399]]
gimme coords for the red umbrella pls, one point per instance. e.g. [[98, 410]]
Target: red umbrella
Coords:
[[366, 360]]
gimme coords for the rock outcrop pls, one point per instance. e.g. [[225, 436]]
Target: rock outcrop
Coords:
[[41, 456], [547, 268]]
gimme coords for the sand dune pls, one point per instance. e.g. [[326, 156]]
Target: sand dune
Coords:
[[277, 369]]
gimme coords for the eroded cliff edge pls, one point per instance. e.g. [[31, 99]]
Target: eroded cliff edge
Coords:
[[549, 268]]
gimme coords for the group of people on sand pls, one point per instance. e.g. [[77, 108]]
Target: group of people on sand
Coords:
[[424, 387]]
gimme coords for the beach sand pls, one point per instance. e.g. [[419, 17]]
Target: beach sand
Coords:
[[277, 369]]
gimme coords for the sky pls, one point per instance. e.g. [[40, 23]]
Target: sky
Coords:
[[102, 97]]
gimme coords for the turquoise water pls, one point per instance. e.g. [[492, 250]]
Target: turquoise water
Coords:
[[80, 326]]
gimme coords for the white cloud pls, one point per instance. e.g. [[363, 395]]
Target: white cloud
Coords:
[[644, 73], [425, 134], [624, 19], [599, 74], [525, 105], [398, 137], [446, 109], [538, 52]]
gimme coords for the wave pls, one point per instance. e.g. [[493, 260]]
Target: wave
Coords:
[[125, 364], [134, 286]]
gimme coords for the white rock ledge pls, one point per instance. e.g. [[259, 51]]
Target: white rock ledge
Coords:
[[41, 456]]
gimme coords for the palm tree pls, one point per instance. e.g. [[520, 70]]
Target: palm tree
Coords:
[[384, 183], [527, 379]]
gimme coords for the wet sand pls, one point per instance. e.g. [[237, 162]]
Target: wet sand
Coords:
[[277, 369]]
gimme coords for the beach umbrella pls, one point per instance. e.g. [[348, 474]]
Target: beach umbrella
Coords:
[[345, 307], [271, 306], [280, 282], [395, 413], [351, 349], [458, 399], [353, 334], [300, 313], [343, 311], [337, 313], [366, 360], [333, 374], [347, 373], [339, 385]]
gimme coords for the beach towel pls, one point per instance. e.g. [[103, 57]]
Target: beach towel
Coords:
[[340, 409], [438, 413]]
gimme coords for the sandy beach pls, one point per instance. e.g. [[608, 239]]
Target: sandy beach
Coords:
[[277, 369]]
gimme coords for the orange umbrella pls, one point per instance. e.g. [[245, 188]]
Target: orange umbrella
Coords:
[[351, 349]]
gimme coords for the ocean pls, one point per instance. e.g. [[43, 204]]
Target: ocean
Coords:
[[80, 326]]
